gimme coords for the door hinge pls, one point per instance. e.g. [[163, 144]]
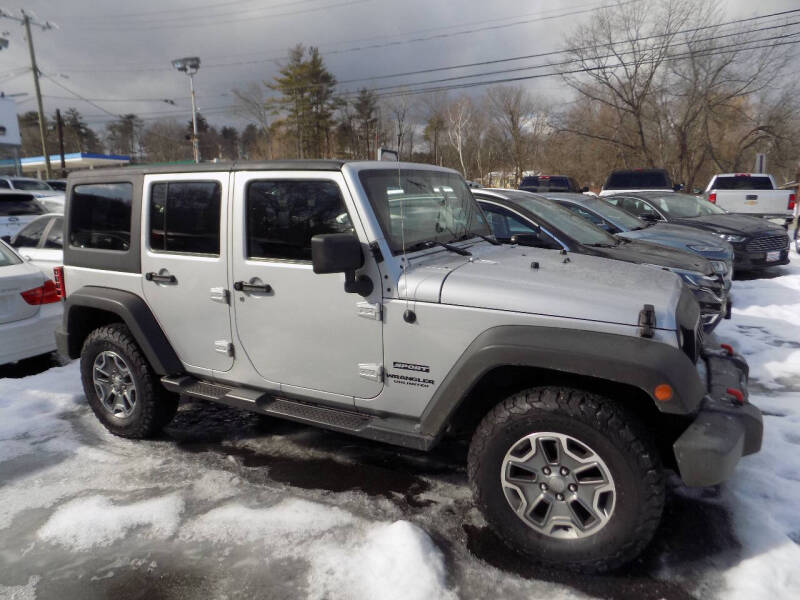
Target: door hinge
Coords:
[[370, 311], [223, 347], [371, 371], [220, 294]]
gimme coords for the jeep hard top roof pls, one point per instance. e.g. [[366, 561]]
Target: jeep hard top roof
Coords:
[[247, 165]]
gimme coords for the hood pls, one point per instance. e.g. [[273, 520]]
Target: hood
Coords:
[[732, 224], [637, 251], [502, 278], [680, 237]]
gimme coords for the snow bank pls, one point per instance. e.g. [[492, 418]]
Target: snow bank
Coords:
[[282, 525], [396, 561], [95, 521]]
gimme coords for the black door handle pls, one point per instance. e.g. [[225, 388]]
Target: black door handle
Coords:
[[160, 278], [243, 286]]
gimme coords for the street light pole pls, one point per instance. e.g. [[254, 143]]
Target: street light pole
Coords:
[[195, 141], [190, 65]]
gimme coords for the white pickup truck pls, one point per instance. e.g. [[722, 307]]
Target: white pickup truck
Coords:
[[750, 193]]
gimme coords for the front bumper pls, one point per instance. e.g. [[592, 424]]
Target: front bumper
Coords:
[[748, 261], [724, 429]]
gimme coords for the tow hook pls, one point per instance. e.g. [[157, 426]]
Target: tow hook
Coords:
[[736, 395]]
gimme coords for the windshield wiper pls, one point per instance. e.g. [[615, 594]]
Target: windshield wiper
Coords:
[[445, 245], [600, 245], [487, 238]]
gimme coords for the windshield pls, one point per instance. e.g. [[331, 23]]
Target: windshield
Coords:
[[563, 220], [622, 219], [418, 206], [31, 184], [14, 205], [683, 205]]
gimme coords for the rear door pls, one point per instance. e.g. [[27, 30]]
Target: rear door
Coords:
[[184, 265]]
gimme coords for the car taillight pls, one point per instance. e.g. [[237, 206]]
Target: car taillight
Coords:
[[792, 201], [58, 276], [712, 197], [44, 294]]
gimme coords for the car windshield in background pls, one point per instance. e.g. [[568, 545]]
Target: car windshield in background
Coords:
[[683, 205], [418, 206], [7, 257], [638, 180], [31, 185], [15, 205], [563, 219], [743, 182], [622, 219]]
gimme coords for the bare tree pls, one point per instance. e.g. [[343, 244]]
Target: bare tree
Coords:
[[458, 117], [514, 113], [252, 103]]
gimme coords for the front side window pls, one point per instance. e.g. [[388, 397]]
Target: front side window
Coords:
[[283, 215], [7, 257], [185, 217], [4, 184], [100, 216], [416, 207], [29, 236], [504, 223], [635, 206], [55, 237]]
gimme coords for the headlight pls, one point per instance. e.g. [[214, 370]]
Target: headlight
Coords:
[[695, 279], [729, 237], [702, 248], [719, 266]]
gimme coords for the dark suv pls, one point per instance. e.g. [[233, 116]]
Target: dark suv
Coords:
[[638, 179]]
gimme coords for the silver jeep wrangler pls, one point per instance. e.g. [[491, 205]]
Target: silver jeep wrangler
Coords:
[[369, 298]]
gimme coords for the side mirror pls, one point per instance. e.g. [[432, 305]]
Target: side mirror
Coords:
[[341, 253], [584, 189], [650, 217], [677, 187], [527, 239]]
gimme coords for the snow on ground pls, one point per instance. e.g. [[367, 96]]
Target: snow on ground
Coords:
[[226, 505]]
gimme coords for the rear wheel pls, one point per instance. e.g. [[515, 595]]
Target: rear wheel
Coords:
[[567, 478], [120, 386]]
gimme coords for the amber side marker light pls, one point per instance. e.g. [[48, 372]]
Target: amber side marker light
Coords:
[[663, 392]]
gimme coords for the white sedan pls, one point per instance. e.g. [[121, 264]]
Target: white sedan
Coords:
[[30, 308]]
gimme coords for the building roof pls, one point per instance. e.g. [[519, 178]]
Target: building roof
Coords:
[[72, 161]]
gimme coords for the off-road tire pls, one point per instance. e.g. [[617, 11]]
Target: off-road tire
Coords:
[[617, 437], [154, 408]]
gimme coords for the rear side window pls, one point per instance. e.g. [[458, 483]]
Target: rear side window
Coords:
[[283, 216], [15, 205], [4, 184], [743, 182], [100, 216], [638, 180], [55, 237], [185, 217], [29, 236]]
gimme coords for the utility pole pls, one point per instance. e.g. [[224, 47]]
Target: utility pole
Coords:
[[26, 22], [60, 123]]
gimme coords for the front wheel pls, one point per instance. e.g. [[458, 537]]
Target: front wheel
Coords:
[[568, 478]]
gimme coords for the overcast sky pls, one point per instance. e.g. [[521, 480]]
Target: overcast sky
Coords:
[[118, 53]]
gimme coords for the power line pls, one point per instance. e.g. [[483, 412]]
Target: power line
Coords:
[[518, 20], [115, 17]]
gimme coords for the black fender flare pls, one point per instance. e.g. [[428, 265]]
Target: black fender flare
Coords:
[[635, 361], [133, 311]]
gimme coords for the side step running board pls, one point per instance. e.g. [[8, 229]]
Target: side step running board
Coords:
[[264, 403]]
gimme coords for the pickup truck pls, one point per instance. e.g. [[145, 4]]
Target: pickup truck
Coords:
[[750, 193]]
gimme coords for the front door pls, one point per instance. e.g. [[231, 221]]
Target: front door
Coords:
[[300, 329], [184, 265]]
